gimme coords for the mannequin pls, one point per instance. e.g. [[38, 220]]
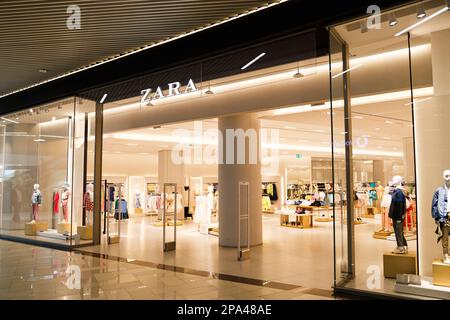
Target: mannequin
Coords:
[[137, 199], [88, 203], [36, 200], [385, 205], [397, 212], [64, 203], [380, 192], [440, 212], [210, 202]]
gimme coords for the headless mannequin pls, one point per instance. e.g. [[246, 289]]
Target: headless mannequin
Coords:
[[397, 213], [441, 213], [36, 200], [89, 203], [65, 204]]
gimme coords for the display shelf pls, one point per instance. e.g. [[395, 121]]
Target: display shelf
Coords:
[[295, 220], [381, 234]]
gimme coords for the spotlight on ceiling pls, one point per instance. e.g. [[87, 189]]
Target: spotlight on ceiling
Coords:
[[421, 12], [392, 20], [298, 75]]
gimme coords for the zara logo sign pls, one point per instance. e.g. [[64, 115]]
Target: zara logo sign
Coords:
[[173, 90]]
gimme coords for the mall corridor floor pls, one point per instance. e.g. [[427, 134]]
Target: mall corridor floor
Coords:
[[30, 272]]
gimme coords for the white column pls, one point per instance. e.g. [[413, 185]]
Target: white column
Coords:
[[229, 176], [432, 120]]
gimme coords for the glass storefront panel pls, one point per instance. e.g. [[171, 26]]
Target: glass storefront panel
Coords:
[[396, 113], [38, 154], [430, 71], [282, 100]]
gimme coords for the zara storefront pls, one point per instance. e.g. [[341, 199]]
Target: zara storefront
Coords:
[[325, 162]]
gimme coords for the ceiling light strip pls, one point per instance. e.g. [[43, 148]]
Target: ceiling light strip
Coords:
[[422, 21], [253, 61], [9, 120], [348, 70], [147, 47]]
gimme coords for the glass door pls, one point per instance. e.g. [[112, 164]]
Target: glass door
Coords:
[[341, 161]]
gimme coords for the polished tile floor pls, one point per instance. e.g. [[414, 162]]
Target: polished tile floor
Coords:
[[302, 257], [30, 272]]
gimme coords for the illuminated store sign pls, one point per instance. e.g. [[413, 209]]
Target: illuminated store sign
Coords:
[[173, 90]]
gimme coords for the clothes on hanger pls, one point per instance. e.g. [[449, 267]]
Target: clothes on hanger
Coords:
[[123, 209], [56, 203], [137, 200], [266, 204]]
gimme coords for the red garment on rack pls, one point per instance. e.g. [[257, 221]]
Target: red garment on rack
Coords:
[[88, 204], [56, 203]]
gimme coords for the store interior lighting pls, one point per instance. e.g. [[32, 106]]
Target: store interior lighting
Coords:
[[422, 21]]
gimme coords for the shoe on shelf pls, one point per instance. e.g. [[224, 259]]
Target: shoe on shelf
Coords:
[[446, 259], [405, 249], [399, 250]]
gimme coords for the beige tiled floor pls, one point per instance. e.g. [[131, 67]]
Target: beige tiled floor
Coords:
[[29, 272], [296, 256]]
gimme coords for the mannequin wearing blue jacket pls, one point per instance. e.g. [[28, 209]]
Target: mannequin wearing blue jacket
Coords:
[[397, 212], [440, 211]]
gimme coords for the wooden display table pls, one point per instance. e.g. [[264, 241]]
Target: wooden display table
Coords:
[[441, 273], [31, 229], [63, 228], [295, 220], [394, 264], [85, 232]]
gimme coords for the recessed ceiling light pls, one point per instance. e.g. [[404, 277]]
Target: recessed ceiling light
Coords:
[[43, 70], [387, 138], [53, 118], [392, 20], [445, 9], [291, 128], [388, 122], [39, 140], [421, 12], [377, 129], [319, 131], [359, 117]]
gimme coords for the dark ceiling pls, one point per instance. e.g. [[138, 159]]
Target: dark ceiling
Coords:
[[37, 42]]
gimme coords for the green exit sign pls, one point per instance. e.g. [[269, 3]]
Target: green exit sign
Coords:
[[298, 156]]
